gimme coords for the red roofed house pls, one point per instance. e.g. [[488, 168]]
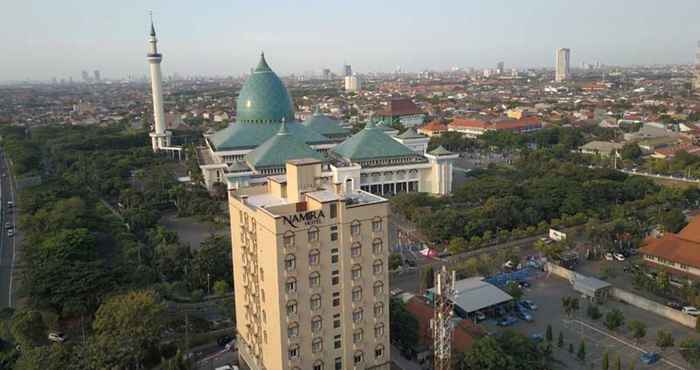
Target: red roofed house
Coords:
[[677, 253], [466, 332], [434, 128], [472, 128], [404, 111]]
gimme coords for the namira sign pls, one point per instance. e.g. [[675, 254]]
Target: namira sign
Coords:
[[305, 218]]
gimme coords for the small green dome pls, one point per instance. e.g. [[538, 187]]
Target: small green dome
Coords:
[[264, 98]]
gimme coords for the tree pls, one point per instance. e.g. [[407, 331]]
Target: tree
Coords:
[[221, 287], [581, 354], [54, 357], [614, 319], [127, 328], [593, 311], [570, 305], [429, 277], [394, 261], [514, 290], [673, 220], [618, 363], [507, 350], [560, 340], [28, 328], [402, 325], [638, 328], [664, 339], [631, 151], [571, 348], [605, 362], [548, 333]]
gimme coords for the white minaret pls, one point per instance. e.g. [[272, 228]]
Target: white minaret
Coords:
[[159, 137]]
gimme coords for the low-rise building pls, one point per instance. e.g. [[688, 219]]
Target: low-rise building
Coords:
[[602, 148], [403, 111], [473, 128], [676, 253], [434, 128]]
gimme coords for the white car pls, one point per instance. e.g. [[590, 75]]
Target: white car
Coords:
[[609, 256], [690, 310], [57, 337], [619, 256]]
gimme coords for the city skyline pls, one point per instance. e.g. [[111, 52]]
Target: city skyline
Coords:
[[225, 39]]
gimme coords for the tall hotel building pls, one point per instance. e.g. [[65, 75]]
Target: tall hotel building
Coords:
[[310, 273], [563, 70]]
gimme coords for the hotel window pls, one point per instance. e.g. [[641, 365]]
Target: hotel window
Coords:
[[377, 225], [318, 365], [334, 255], [378, 288], [379, 330], [314, 257], [335, 279], [316, 324], [290, 262], [294, 352], [334, 236], [378, 267], [293, 330], [313, 234], [317, 346], [355, 228], [379, 351], [356, 294], [291, 285], [357, 315], [291, 307], [288, 239], [356, 249], [314, 279], [377, 246], [336, 321], [334, 210], [356, 272], [316, 302], [336, 299], [359, 357], [357, 336], [336, 345], [262, 274], [378, 309]]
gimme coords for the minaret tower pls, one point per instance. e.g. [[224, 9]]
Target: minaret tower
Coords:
[[159, 137]]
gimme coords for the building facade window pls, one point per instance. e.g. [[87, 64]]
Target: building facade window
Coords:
[[379, 330], [377, 225], [316, 324], [378, 309], [336, 342], [293, 330], [378, 288], [357, 315], [291, 285], [315, 279], [317, 345], [313, 234], [357, 336], [359, 357], [333, 210], [314, 257], [379, 352], [334, 255], [315, 302], [356, 272], [291, 307], [336, 299], [355, 228], [290, 262], [294, 352], [356, 294], [318, 365], [377, 246], [378, 267], [356, 250]]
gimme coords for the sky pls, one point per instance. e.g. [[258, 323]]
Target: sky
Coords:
[[41, 39]]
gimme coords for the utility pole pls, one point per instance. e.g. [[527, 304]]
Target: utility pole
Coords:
[[442, 321]]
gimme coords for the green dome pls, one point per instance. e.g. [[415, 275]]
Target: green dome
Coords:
[[264, 98]]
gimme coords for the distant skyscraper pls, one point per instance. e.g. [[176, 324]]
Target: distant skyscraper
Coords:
[[562, 67], [500, 67], [347, 70], [159, 137], [85, 75], [326, 74], [96, 74], [352, 84], [697, 68]]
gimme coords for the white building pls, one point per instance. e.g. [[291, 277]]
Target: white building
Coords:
[[563, 61], [352, 83]]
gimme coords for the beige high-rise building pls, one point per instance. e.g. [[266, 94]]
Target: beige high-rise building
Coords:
[[697, 68], [310, 272], [563, 71]]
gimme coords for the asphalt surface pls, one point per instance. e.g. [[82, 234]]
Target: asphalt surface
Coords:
[[7, 243]]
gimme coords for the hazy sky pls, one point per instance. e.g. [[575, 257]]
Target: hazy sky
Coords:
[[47, 38]]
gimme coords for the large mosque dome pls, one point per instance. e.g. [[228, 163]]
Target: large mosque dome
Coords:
[[264, 98]]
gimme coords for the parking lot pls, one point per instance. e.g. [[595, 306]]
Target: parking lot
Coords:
[[547, 292]]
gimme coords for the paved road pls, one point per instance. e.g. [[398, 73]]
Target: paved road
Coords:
[[7, 244]]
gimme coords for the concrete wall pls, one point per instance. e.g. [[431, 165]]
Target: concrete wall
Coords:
[[632, 299]]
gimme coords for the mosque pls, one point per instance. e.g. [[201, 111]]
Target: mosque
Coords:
[[266, 134]]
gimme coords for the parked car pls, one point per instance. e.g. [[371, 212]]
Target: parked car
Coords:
[[609, 256], [649, 358], [537, 337], [224, 340], [508, 265], [690, 310], [479, 316], [523, 284], [10, 233], [523, 315], [675, 305], [619, 256], [530, 305], [507, 321], [8, 225], [57, 337], [395, 292]]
